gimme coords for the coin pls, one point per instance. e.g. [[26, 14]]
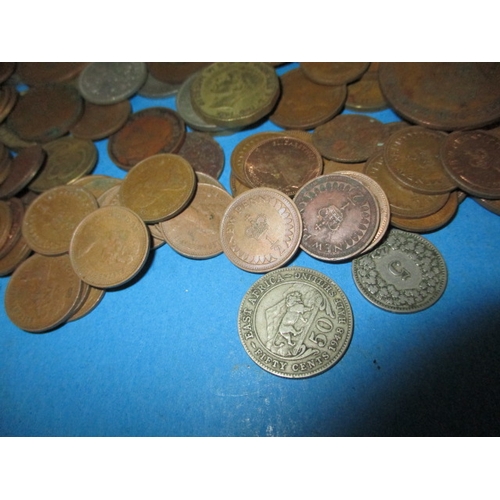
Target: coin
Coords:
[[109, 247], [97, 184], [6, 69], [19, 253], [174, 73], [8, 99], [40, 73], [155, 89], [492, 205], [236, 186], [340, 217], [405, 274], [5, 222], [260, 230], [12, 140], [333, 73], [365, 94], [92, 300], [295, 322], [203, 178], [17, 214]]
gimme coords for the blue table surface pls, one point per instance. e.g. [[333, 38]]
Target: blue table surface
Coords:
[[161, 356]]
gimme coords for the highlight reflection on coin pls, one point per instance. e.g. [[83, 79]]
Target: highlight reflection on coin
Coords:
[[295, 322]]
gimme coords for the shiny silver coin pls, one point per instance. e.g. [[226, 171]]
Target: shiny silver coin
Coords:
[[405, 274], [295, 322]]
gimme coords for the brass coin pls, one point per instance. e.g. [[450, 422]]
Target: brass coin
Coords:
[[158, 187], [51, 219], [19, 253], [260, 230], [334, 73], [42, 293], [148, 132], [340, 217], [234, 95], [17, 213], [40, 73], [109, 247], [195, 232]]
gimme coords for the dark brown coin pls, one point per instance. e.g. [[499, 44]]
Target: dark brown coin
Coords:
[[444, 96], [340, 217], [365, 94], [17, 212], [174, 72], [12, 140], [349, 138], [304, 104], [8, 98], [46, 112], [5, 165], [148, 132], [5, 222], [99, 122], [334, 73], [492, 205], [40, 73], [6, 69]]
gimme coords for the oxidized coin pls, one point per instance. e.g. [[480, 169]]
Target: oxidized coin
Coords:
[[158, 187], [340, 217], [404, 274], [155, 89], [284, 163], [148, 132], [17, 213], [92, 300], [261, 230], [334, 73], [174, 73], [40, 73], [492, 205], [473, 161], [109, 247], [365, 94], [234, 95], [111, 82], [5, 222], [19, 253], [295, 322]]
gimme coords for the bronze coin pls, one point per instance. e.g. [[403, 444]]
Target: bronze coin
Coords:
[[92, 300], [19, 253], [304, 104], [492, 205], [17, 212], [443, 96], [473, 161], [340, 217], [97, 184], [6, 69], [148, 132], [40, 73], [284, 163], [365, 94], [5, 222], [46, 112], [12, 140], [334, 73], [330, 167], [8, 99], [98, 121], [174, 72]]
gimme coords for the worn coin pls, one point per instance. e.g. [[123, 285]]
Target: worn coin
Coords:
[[405, 274], [334, 73], [19, 253], [97, 184], [365, 94], [155, 89], [92, 300], [5, 222], [17, 214], [40, 73], [12, 140], [174, 73], [295, 322]]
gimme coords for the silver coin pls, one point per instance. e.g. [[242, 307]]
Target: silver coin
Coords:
[[295, 322], [111, 82], [405, 274]]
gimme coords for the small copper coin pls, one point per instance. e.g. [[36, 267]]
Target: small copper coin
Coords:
[[340, 217], [46, 112], [304, 104], [284, 163], [158, 187], [40, 73], [334, 73], [109, 247], [148, 132], [17, 212], [260, 230], [349, 138], [42, 293], [174, 73], [19, 253], [473, 161]]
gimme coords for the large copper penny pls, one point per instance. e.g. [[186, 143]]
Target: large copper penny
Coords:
[[340, 217], [334, 73], [174, 73], [148, 132], [261, 230], [444, 96], [40, 73]]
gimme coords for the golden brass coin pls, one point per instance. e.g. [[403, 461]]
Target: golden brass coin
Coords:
[[234, 95], [334, 73], [261, 230], [51, 219], [19, 253], [42, 293], [158, 187], [194, 233], [109, 247]]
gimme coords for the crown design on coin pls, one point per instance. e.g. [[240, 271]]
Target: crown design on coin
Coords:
[[258, 226], [330, 217]]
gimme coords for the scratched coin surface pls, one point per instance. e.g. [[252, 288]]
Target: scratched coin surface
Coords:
[[405, 274], [295, 322]]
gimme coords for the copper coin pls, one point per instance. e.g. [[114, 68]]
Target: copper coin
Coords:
[[158, 187], [365, 94], [99, 122], [17, 212], [203, 152], [40, 73], [97, 184], [42, 293], [340, 217], [473, 161], [92, 300], [174, 72], [284, 163], [304, 104], [148, 132], [260, 230], [492, 205], [404, 202], [334, 73], [46, 112], [12, 140], [5, 222], [330, 167], [413, 155], [19, 253], [8, 99], [236, 186], [109, 247], [349, 138], [6, 69], [444, 96]]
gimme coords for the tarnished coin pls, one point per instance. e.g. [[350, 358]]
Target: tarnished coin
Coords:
[[8, 99], [40, 73], [155, 89], [19, 253], [195, 232], [234, 95], [92, 300], [295, 322], [405, 274], [334, 73], [12, 140], [17, 214], [111, 82], [158, 187], [109, 247], [97, 184], [365, 94], [331, 167], [340, 217], [174, 73], [5, 222], [260, 230], [42, 293], [5, 164]]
